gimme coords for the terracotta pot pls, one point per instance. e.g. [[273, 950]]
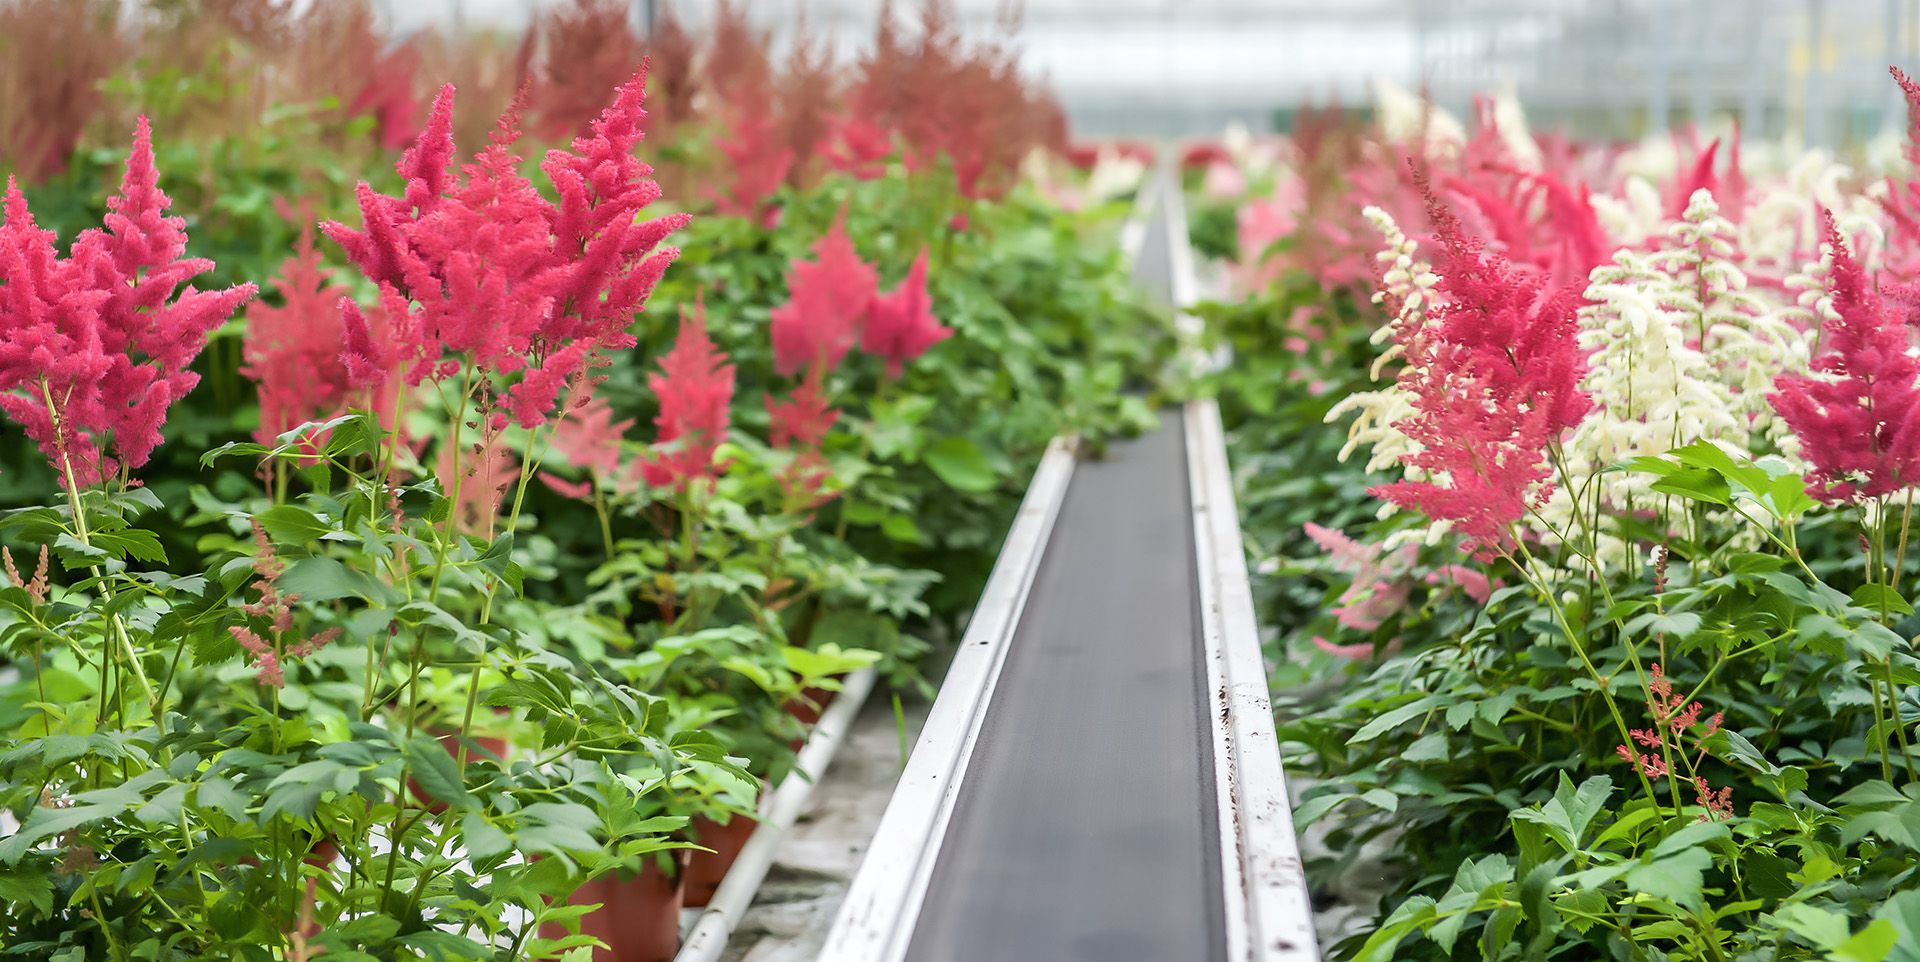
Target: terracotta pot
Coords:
[[706, 869], [638, 918], [451, 741]]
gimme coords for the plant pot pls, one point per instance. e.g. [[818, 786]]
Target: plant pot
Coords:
[[705, 870], [638, 918]]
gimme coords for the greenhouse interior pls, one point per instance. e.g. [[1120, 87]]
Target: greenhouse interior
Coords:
[[959, 480]]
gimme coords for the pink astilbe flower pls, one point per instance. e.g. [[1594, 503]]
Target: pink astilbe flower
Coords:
[[270, 654], [502, 279], [35, 587], [1494, 376], [589, 438], [858, 146], [900, 323], [1474, 583], [98, 345], [752, 137], [1673, 717], [695, 390], [804, 419], [293, 351], [1857, 425], [827, 300], [800, 424]]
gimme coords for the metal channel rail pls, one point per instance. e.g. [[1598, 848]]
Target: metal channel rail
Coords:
[[1099, 777]]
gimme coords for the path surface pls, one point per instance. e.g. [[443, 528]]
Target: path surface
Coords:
[[1084, 828]]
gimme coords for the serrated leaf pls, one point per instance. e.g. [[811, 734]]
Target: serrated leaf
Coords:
[[437, 772]]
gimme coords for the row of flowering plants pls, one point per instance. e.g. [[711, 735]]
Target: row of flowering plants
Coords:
[[505, 536], [1593, 610]]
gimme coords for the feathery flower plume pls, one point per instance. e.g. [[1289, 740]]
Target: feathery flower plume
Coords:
[[98, 344], [270, 654], [752, 138], [504, 280], [900, 324], [804, 419], [695, 389], [1493, 376], [827, 300], [293, 351], [1857, 426]]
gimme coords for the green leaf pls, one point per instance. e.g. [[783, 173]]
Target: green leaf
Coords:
[[899, 527], [1428, 748], [1824, 929], [1676, 878], [958, 462], [1382, 799], [52, 821], [1870, 944], [324, 579], [438, 774], [292, 525], [483, 839], [1871, 597]]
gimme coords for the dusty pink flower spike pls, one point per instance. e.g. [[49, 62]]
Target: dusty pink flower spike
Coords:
[[900, 324], [97, 345], [828, 299], [695, 391]]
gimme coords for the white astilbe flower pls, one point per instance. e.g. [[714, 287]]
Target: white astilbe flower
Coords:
[[1636, 215], [1681, 352], [1409, 284]]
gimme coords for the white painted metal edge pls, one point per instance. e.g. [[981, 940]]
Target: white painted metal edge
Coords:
[[876, 922], [708, 938], [1133, 233], [1269, 912]]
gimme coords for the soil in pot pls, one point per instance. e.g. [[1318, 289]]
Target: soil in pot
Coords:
[[638, 917], [706, 869]]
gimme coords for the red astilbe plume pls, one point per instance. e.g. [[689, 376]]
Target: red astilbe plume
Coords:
[[98, 345], [806, 99], [1495, 379], [1857, 424], [1902, 202], [1699, 176], [751, 136], [800, 424], [292, 352], [53, 56], [862, 137], [270, 653], [804, 419], [504, 280], [591, 49], [900, 324], [695, 390], [827, 299], [589, 439]]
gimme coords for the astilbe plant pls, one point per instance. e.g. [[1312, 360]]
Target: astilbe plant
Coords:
[[95, 346], [752, 139], [292, 351], [1494, 378], [495, 283], [695, 390], [1857, 425], [590, 49], [827, 302]]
